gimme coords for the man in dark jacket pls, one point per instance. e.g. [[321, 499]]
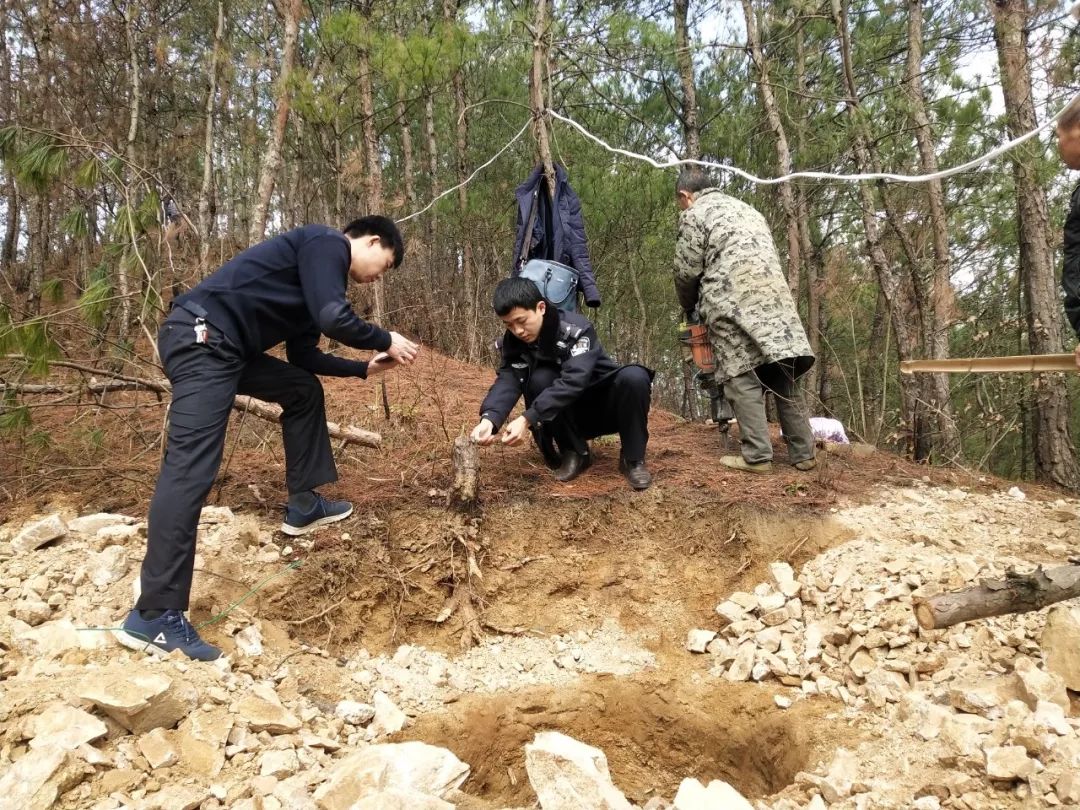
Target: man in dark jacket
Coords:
[[1068, 132], [289, 289], [557, 229], [573, 390]]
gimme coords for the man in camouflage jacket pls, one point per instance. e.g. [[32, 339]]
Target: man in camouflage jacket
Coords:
[[727, 267]]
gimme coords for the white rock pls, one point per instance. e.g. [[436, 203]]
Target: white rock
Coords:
[[743, 664], [569, 775], [139, 700], [1017, 493], [730, 611], [216, 514], [401, 800], [718, 795], [698, 640], [109, 566], [388, 719], [842, 774], [279, 764], [91, 524], [158, 748], [409, 766], [249, 640], [262, 710], [1036, 684], [354, 712], [32, 611], [1061, 644], [65, 727], [37, 780], [1051, 717], [1009, 762], [35, 535]]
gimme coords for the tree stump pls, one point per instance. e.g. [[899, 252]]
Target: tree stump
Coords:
[[1017, 593], [466, 464]]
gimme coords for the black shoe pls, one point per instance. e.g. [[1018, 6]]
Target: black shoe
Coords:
[[552, 457], [636, 473], [573, 465]]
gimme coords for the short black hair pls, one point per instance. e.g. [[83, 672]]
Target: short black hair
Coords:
[[1070, 116], [693, 179], [382, 227], [515, 292]]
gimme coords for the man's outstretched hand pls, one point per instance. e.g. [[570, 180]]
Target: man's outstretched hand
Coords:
[[380, 363], [402, 350]]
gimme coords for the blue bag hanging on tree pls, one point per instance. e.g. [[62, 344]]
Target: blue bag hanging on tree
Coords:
[[557, 282]]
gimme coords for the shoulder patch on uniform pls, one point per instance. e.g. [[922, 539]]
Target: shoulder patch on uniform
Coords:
[[580, 347], [519, 365]]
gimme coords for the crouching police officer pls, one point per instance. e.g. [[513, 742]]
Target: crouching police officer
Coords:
[[573, 391]]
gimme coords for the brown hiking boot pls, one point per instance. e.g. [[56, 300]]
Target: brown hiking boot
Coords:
[[805, 465], [739, 463]]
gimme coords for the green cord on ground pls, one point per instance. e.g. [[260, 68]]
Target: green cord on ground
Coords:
[[214, 619]]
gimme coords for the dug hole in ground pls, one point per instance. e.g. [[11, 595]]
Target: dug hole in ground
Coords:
[[718, 641]]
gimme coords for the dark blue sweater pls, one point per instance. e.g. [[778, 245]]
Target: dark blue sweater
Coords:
[[290, 289]]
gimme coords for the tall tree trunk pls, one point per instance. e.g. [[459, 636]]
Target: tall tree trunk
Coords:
[[685, 60], [289, 11], [783, 153], [536, 91], [461, 147], [432, 149], [408, 168], [7, 97], [894, 289], [123, 278], [205, 224], [939, 318], [38, 218], [1055, 458], [816, 304]]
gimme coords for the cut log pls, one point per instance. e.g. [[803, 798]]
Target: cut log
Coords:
[[1027, 363], [466, 463], [118, 382], [1017, 593]]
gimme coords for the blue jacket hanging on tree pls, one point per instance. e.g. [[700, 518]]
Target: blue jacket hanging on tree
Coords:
[[558, 230]]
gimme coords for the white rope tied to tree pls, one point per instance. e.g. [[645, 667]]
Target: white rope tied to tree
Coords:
[[847, 178], [469, 179], [765, 181]]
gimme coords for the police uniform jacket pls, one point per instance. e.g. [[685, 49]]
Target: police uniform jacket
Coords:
[[567, 342]]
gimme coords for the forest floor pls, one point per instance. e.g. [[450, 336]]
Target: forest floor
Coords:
[[814, 686]]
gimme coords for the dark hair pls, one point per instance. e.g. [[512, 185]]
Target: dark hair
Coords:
[[693, 179], [515, 292], [382, 227], [1070, 116]]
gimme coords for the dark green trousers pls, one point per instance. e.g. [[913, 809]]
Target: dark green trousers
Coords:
[[746, 393]]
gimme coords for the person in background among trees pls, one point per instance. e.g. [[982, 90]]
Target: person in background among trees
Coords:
[[289, 289], [727, 268], [1068, 133], [573, 391]]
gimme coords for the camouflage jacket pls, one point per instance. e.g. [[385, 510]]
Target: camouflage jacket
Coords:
[[726, 266]]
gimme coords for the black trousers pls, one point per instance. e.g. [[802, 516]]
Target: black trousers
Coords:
[[206, 377], [618, 404]]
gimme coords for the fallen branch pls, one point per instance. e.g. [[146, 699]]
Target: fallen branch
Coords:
[[1017, 593], [256, 407]]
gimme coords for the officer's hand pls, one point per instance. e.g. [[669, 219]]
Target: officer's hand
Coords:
[[1076, 355], [402, 349], [483, 433], [380, 363], [515, 431]]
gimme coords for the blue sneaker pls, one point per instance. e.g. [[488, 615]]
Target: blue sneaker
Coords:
[[169, 631], [324, 511]]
